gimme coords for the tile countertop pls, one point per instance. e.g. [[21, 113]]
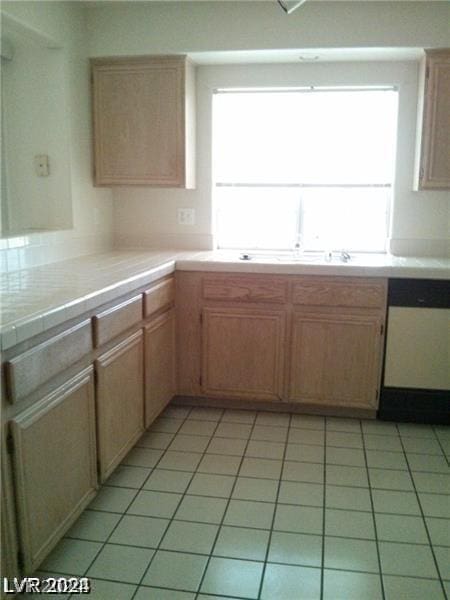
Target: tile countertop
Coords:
[[34, 300]]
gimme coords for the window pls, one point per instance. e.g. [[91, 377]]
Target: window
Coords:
[[314, 165]]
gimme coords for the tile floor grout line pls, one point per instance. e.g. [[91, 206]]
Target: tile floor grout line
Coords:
[[439, 441], [377, 545], [436, 564], [198, 592], [277, 495], [123, 514], [183, 495], [322, 570]]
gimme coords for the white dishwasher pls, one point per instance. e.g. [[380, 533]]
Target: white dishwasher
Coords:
[[416, 374]]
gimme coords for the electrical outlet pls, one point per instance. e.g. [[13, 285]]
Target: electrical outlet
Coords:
[[186, 216]]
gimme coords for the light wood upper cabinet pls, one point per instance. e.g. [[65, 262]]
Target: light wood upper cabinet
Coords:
[[55, 465], [434, 143], [144, 121], [335, 359], [120, 401], [160, 384], [243, 353]]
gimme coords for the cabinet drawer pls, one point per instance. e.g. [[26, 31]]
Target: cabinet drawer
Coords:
[[245, 289], [33, 368], [159, 296], [115, 320], [334, 293]]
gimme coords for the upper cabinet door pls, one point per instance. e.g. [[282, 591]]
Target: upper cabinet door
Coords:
[[434, 169], [143, 115]]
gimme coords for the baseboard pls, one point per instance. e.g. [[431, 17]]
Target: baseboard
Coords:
[[281, 407]]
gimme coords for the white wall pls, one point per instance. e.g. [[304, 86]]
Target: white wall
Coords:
[[92, 208], [144, 216]]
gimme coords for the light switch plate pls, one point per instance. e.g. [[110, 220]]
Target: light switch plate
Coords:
[[186, 216]]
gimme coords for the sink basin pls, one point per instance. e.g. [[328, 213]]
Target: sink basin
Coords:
[[290, 258]]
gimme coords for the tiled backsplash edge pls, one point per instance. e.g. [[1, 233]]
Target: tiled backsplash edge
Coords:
[[24, 252]]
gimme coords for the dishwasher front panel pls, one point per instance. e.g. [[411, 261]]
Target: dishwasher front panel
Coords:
[[418, 348], [416, 370]]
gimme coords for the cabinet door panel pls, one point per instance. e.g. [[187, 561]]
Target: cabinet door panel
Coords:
[[139, 129], [335, 360], [120, 401], [55, 465], [159, 365], [243, 353]]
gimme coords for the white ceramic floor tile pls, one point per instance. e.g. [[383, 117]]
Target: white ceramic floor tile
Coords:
[[307, 422], [121, 563], [407, 560], [245, 513], [344, 439], [299, 519], [439, 530], [428, 462], [288, 581], [344, 475], [168, 481], [443, 560], [302, 471], [348, 498], [155, 440], [139, 531], [349, 523], [305, 453], [247, 488], [113, 499], [435, 505], [154, 504], [437, 483], [403, 503], [233, 430], [71, 557], [201, 509], [343, 424], [166, 425], [227, 446], [151, 593], [239, 416], [306, 436], [346, 585], [412, 588], [219, 464], [305, 494], [381, 459], [106, 590], [205, 413], [94, 526], [189, 443], [192, 427], [179, 461], [295, 549], [351, 554], [258, 449], [273, 419], [388, 479], [240, 542], [175, 570], [260, 467], [189, 537], [401, 528], [269, 434], [233, 577], [204, 484], [129, 477], [142, 457]]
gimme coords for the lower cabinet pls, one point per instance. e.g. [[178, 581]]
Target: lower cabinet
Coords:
[[54, 462], [335, 359], [120, 401], [242, 353], [160, 383]]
